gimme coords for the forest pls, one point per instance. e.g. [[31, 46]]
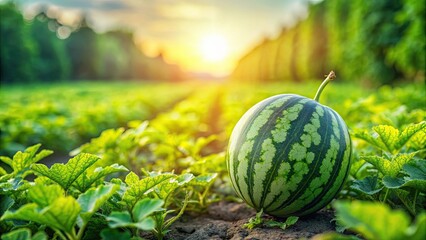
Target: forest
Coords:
[[39, 50]]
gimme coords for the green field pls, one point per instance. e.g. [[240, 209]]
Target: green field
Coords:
[[175, 137]]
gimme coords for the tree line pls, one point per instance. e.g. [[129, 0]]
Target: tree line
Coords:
[[380, 41], [31, 51]]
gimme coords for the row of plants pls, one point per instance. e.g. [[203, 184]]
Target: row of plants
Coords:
[[145, 176], [65, 116]]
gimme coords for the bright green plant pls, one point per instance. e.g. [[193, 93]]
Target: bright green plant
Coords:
[[139, 216], [392, 172], [64, 197], [259, 220], [374, 220]]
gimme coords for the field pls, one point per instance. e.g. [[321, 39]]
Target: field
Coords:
[[148, 160]]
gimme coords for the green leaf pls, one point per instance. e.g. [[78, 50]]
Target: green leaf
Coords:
[[283, 225], [204, 179], [254, 221], [416, 171], [389, 138], [5, 203], [409, 132], [93, 199], [20, 234], [390, 167], [184, 178], [114, 234], [418, 230], [291, 220], [418, 140], [372, 220], [145, 207], [45, 195], [2, 171], [142, 210], [119, 219], [60, 215], [85, 181], [40, 236], [24, 234], [66, 174], [369, 185], [137, 189], [23, 160], [166, 188], [7, 160], [145, 224]]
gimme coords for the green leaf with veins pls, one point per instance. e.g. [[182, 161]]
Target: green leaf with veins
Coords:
[[140, 215], [44, 195], [390, 167], [85, 181], [60, 215], [164, 189], [137, 189], [93, 199], [66, 174], [373, 220], [145, 207], [204, 179], [24, 234], [418, 140], [369, 185], [416, 169], [389, 138], [416, 179], [22, 161]]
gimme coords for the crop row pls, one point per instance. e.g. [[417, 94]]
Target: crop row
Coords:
[[65, 116], [180, 157]]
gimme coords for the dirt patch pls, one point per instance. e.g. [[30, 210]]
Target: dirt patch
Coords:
[[224, 220]]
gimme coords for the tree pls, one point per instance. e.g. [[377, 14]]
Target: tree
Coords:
[[52, 63], [17, 52]]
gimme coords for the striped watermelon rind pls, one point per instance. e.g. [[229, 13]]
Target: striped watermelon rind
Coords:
[[289, 155]]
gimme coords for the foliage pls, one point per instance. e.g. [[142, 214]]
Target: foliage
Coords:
[[377, 41], [65, 116], [395, 175], [385, 224], [258, 220], [177, 156]]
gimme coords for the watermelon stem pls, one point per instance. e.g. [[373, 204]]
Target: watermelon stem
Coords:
[[329, 77]]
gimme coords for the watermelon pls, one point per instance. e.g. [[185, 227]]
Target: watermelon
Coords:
[[289, 155]]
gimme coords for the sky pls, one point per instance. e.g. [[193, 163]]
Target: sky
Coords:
[[199, 35]]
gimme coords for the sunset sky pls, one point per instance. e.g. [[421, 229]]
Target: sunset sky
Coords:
[[199, 35]]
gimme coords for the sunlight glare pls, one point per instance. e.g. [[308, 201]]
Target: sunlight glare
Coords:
[[214, 48]]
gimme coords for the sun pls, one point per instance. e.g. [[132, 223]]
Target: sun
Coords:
[[214, 48]]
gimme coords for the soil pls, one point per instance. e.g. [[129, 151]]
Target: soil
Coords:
[[225, 220]]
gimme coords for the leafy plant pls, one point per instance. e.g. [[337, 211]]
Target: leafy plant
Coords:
[[374, 220], [139, 216], [393, 174], [54, 199], [258, 221]]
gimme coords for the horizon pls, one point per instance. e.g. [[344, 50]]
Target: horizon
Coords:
[[198, 36]]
